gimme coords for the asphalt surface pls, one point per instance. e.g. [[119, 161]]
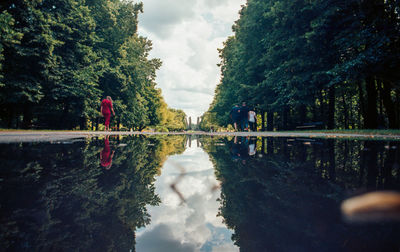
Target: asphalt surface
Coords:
[[60, 136]]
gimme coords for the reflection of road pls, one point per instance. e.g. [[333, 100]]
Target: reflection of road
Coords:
[[186, 220]]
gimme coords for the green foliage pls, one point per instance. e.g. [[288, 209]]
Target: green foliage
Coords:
[[59, 59], [8, 36], [208, 122], [71, 202], [170, 119], [304, 61]]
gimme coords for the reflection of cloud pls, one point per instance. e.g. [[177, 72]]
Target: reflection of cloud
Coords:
[[195, 222], [160, 237], [185, 36], [219, 245]]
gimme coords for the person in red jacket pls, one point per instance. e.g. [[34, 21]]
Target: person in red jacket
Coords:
[[106, 108]]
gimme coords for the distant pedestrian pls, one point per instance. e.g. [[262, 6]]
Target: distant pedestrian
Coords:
[[235, 116], [106, 109], [244, 117], [252, 120]]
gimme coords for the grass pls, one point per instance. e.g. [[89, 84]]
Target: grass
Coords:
[[39, 130], [354, 131]]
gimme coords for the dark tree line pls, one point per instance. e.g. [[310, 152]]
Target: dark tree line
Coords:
[[287, 197], [300, 61], [59, 198], [59, 58]]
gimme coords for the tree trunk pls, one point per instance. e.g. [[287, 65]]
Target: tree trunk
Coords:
[[331, 108], [302, 114], [345, 113], [389, 106], [370, 155], [11, 117], [270, 121], [321, 107], [28, 116], [285, 116], [270, 145], [351, 110], [371, 115], [331, 159], [397, 107], [314, 110], [362, 103], [83, 123], [263, 145], [389, 166], [97, 122], [262, 120], [65, 122]]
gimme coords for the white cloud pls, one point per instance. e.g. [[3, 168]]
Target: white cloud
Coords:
[[186, 35], [214, 3], [161, 17]]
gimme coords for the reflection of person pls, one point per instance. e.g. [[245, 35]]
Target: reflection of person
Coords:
[[244, 117], [106, 155], [244, 149], [240, 149], [106, 108], [235, 115], [252, 147], [235, 149]]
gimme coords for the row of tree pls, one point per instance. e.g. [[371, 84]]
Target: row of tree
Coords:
[[329, 61], [67, 201], [59, 58], [287, 196]]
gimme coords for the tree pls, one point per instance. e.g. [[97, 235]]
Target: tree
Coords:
[[70, 54], [301, 61]]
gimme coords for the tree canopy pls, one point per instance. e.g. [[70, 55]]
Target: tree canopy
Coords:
[[59, 59], [302, 61]]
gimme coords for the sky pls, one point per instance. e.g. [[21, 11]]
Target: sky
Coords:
[[186, 35]]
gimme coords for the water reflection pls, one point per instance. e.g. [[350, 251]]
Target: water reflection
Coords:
[[186, 219], [106, 155], [242, 148], [57, 197], [180, 193], [286, 197]]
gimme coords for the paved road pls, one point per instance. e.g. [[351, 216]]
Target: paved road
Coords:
[[56, 136]]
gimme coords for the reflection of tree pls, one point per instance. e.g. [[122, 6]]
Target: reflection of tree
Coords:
[[288, 199], [58, 197]]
